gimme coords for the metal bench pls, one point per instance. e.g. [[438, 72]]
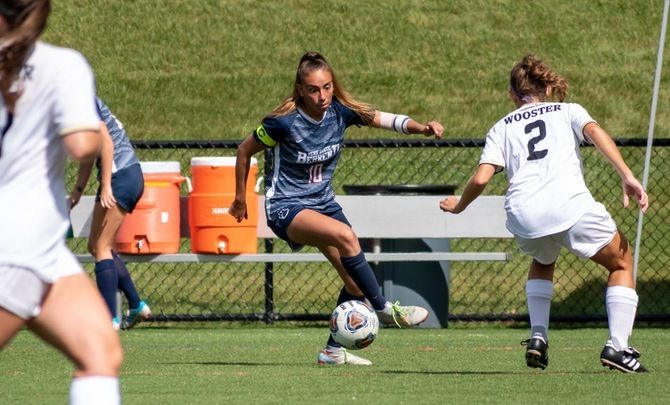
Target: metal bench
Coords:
[[377, 219], [372, 217]]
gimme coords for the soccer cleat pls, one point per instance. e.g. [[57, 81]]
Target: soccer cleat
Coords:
[[623, 360], [402, 316], [135, 315], [536, 352], [340, 355]]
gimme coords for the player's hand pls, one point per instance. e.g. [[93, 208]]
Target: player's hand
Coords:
[[107, 199], [633, 188], [449, 204], [238, 209], [434, 128]]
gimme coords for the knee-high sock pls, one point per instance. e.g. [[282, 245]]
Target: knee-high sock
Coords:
[[361, 272], [126, 284], [343, 297], [100, 390], [107, 281], [538, 297], [621, 303]]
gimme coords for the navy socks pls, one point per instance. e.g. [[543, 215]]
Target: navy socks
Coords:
[[112, 275], [361, 272], [107, 281], [125, 283]]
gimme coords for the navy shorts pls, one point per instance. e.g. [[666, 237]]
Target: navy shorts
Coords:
[[281, 217], [127, 187]]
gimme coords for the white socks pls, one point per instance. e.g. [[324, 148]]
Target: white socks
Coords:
[[621, 303], [98, 390], [538, 297]]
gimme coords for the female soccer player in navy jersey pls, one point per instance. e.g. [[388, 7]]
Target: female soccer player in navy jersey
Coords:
[[549, 206], [306, 132], [47, 112], [121, 186]]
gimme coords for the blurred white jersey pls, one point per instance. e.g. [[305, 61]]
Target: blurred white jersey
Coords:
[[538, 144], [57, 98]]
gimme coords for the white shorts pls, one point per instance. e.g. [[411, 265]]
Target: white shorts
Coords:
[[23, 289], [592, 232]]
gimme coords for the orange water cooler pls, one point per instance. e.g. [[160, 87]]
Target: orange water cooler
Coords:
[[212, 229], [153, 227]]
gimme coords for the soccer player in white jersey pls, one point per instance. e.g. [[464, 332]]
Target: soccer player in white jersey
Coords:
[[47, 111], [305, 133], [549, 207]]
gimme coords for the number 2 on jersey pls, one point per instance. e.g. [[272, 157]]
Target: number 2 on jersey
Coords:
[[542, 129]]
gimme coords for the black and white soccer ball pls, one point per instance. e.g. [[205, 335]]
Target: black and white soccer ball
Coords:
[[354, 325]]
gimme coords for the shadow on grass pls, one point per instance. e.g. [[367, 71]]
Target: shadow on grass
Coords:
[[530, 372], [228, 363]]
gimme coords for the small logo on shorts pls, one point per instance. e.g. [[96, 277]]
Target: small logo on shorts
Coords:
[[283, 213]]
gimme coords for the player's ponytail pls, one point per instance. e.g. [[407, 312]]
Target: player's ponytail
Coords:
[[530, 78], [26, 20]]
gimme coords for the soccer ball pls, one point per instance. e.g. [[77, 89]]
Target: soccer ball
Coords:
[[354, 325]]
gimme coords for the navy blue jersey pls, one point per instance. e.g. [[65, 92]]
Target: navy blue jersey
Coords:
[[124, 155], [305, 153]]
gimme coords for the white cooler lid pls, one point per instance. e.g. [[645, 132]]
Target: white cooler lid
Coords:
[[160, 167], [217, 161]]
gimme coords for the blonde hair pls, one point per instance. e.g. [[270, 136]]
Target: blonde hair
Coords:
[[26, 20], [310, 62], [532, 77]]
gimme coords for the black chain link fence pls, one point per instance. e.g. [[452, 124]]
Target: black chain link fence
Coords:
[[478, 290]]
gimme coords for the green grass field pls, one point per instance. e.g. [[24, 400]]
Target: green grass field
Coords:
[[210, 69], [276, 365]]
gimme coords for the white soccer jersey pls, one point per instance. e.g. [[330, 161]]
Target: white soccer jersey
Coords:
[[58, 98], [538, 144]]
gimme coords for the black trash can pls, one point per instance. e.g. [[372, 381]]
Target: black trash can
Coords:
[[412, 283]]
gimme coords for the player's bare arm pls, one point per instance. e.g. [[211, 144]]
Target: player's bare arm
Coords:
[[107, 199], [473, 189], [247, 148], [82, 146], [406, 125], [630, 185]]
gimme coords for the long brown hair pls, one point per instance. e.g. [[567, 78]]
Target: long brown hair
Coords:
[[310, 62], [26, 20], [532, 77]]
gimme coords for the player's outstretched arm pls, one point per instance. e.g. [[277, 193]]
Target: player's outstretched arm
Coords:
[[473, 189], [631, 186], [406, 125]]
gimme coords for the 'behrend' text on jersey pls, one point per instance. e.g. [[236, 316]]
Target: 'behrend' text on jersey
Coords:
[[305, 153]]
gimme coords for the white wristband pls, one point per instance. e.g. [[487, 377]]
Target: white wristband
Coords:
[[394, 122]]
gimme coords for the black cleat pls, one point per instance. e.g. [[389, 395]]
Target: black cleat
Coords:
[[536, 352], [623, 360]]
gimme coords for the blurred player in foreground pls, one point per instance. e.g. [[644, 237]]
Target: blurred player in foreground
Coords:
[[47, 111]]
